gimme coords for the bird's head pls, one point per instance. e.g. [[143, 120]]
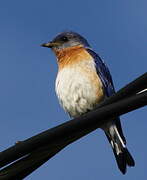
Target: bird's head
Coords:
[[66, 40]]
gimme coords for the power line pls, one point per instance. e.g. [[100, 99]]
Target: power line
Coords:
[[38, 149]]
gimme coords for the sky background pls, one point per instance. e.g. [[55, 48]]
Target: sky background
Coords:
[[117, 30]]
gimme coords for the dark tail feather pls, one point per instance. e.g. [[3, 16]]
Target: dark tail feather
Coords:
[[123, 159], [122, 155]]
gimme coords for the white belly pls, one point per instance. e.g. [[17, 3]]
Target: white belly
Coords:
[[77, 92]]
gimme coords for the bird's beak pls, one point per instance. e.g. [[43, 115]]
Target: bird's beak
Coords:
[[50, 44]]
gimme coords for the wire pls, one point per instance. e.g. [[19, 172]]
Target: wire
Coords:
[[55, 139]]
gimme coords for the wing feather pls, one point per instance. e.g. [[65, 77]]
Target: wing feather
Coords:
[[103, 73]]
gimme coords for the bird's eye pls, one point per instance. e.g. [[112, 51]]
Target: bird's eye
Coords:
[[64, 39]]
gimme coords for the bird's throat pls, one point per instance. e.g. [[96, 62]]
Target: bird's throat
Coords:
[[71, 55]]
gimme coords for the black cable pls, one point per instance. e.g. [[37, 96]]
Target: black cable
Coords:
[[23, 148], [55, 139], [73, 130], [23, 167]]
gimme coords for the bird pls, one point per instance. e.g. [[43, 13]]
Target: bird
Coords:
[[83, 81]]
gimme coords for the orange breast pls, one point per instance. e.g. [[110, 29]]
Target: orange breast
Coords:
[[71, 55], [77, 67]]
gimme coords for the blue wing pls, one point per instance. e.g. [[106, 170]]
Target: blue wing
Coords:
[[103, 73], [105, 76]]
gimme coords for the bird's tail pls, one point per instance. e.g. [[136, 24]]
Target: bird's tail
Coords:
[[118, 144]]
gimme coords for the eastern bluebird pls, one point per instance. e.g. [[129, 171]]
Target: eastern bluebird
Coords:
[[83, 81]]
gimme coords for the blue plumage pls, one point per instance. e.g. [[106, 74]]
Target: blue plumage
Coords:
[[103, 73], [124, 158], [81, 105]]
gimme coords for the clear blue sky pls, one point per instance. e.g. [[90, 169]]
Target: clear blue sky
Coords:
[[28, 104]]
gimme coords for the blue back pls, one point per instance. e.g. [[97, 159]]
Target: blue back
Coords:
[[103, 73], [105, 76]]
